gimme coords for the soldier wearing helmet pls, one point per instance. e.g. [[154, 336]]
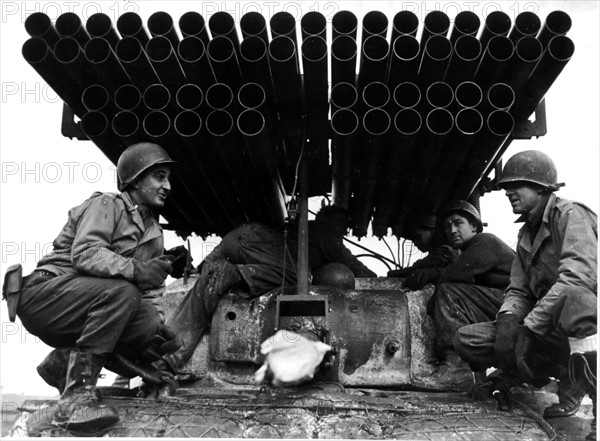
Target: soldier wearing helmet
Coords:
[[424, 233], [549, 314], [87, 297], [469, 290]]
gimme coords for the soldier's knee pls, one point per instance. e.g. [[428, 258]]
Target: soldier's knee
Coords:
[[126, 293]]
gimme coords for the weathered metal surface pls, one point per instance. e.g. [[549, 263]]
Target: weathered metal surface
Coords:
[[381, 333], [306, 413]]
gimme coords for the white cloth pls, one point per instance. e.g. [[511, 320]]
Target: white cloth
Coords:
[[291, 359]]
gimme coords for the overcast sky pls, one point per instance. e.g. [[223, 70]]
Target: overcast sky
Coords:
[[44, 174]]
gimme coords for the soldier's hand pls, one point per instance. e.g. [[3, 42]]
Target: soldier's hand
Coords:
[[507, 326], [180, 256], [524, 349], [152, 273], [401, 272], [417, 279]]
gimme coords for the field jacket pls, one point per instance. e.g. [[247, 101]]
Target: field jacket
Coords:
[[562, 254], [102, 238]]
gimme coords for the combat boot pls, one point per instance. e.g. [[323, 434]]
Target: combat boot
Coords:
[[582, 368], [78, 407], [570, 396], [53, 369]]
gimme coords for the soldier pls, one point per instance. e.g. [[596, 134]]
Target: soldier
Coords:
[[469, 290], [87, 297], [257, 258], [425, 235], [546, 326]]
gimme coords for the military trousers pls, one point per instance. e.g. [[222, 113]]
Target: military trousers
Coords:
[[461, 304], [575, 315], [96, 315]]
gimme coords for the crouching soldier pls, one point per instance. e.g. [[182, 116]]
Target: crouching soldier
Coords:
[[469, 290], [547, 324], [87, 297]]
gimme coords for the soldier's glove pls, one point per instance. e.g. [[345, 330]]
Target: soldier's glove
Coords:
[[170, 341], [151, 274], [418, 279], [179, 260], [507, 327], [524, 350], [402, 272]]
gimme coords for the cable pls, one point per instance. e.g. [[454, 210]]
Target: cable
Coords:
[[390, 250]]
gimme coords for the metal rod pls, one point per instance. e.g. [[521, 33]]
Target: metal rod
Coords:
[[500, 96], [303, 263], [70, 54], [134, 60], [68, 24], [404, 23], [434, 62], [465, 23], [39, 25], [344, 123], [497, 23], [528, 52], [404, 60], [192, 24], [251, 125], [100, 25], [129, 97], [376, 95], [463, 61], [130, 24], [222, 24], [96, 97], [161, 24], [468, 123], [498, 127], [527, 24], [224, 61], [468, 95], [188, 125], [374, 23], [435, 23], [95, 126], [396, 165], [313, 24], [495, 61], [343, 96], [439, 95], [39, 56], [157, 97], [189, 97], [253, 24], [344, 23], [407, 95], [219, 96], [105, 63], [126, 125], [376, 123], [162, 55], [195, 63], [373, 63], [555, 58], [343, 60], [254, 63], [556, 23]]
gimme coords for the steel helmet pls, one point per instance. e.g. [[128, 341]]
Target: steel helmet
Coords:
[[334, 274], [138, 158], [530, 166], [463, 208]]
